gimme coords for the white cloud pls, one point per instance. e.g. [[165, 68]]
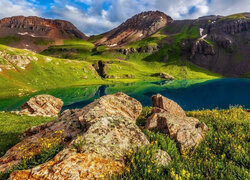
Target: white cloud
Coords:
[[97, 19], [15, 8]]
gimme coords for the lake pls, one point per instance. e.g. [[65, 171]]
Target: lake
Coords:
[[189, 94]]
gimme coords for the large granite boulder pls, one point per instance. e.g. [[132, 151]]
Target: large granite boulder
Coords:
[[95, 140], [188, 132], [42, 105]]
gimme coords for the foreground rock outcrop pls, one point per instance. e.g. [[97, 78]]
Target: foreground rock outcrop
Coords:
[[95, 139], [42, 105], [169, 118]]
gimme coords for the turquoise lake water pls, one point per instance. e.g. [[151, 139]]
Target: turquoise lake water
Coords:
[[189, 94]]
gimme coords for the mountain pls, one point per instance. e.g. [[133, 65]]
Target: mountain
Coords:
[[35, 33], [136, 28], [220, 44]]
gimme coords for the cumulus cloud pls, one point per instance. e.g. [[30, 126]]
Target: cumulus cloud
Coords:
[[15, 8], [98, 16]]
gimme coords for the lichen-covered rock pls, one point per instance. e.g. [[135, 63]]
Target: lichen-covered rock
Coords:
[[161, 158], [42, 105], [188, 132], [112, 136], [93, 122], [167, 105], [68, 164], [97, 153]]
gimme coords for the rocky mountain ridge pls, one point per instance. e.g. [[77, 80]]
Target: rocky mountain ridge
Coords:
[[33, 31], [136, 28]]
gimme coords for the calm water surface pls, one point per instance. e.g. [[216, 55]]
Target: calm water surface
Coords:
[[190, 94]]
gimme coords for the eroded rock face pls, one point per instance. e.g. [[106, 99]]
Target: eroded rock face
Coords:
[[100, 68], [42, 105], [105, 127], [145, 49], [39, 27], [169, 118], [202, 47]]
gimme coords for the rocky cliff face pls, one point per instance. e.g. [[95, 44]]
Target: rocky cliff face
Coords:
[[136, 28], [222, 44], [31, 29]]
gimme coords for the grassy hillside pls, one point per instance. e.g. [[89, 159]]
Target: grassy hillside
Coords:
[[71, 64], [136, 65], [43, 73]]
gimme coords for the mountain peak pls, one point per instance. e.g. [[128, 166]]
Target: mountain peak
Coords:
[[138, 27], [31, 29]]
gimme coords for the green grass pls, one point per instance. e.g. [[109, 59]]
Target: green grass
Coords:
[[153, 40], [224, 154], [95, 38], [43, 42], [46, 73], [233, 17], [8, 40], [11, 127]]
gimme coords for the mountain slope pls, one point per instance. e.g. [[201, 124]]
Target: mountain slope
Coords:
[[35, 33], [216, 43], [221, 44], [23, 71], [136, 28]]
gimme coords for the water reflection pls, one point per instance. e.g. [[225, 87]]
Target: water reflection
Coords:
[[190, 94]]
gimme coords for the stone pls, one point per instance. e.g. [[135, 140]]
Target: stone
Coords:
[[188, 132], [161, 158], [100, 153], [42, 105], [106, 120], [165, 76], [72, 166], [168, 105]]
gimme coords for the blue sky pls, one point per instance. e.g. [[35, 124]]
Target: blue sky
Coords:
[[98, 16]]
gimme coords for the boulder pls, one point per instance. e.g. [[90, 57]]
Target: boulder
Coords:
[[101, 132], [164, 76], [42, 105], [167, 105], [161, 158], [169, 118], [97, 153]]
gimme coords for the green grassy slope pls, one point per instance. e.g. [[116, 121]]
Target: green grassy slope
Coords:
[[71, 64], [136, 65], [45, 73]]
